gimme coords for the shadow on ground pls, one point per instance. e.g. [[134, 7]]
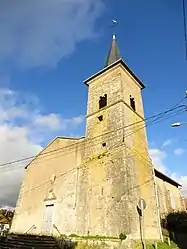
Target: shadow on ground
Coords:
[[176, 225], [65, 243], [180, 239]]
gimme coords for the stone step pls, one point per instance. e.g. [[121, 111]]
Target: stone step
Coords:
[[32, 241], [14, 241], [29, 236]]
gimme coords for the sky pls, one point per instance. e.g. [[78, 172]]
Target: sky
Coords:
[[47, 49]]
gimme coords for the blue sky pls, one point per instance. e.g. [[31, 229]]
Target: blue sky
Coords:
[[47, 50]]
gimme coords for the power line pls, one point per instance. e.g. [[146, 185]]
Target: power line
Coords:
[[184, 23], [101, 135], [140, 154], [82, 165], [73, 145], [109, 151]]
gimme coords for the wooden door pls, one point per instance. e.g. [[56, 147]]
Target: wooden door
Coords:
[[48, 218]]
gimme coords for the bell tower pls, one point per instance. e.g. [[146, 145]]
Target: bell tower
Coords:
[[119, 170]]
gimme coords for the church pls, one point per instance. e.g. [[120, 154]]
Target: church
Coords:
[[92, 185]]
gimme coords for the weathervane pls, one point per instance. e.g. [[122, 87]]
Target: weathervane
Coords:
[[114, 21], [114, 24]]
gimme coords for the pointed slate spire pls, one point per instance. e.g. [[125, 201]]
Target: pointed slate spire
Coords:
[[113, 53]]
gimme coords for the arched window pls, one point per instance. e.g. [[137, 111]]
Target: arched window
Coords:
[[172, 201], [132, 103], [103, 101]]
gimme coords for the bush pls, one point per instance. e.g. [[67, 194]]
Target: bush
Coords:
[[74, 235], [63, 236], [91, 236], [176, 221], [165, 232], [122, 236]]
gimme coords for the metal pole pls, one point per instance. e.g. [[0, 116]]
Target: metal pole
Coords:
[[142, 225]]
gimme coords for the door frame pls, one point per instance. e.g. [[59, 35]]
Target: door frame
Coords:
[[48, 203]]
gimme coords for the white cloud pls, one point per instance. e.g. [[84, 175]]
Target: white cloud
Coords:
[[51, 121], [182, 180], [158, 157], [179, 151], [14, 144], [167, 143], [39, 33], [77, 120], [55, 122], [14, 105], [23, 140]]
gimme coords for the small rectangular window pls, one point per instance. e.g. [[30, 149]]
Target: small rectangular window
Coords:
[[100, 118], [103, 101], [132, 103], [104, 144]]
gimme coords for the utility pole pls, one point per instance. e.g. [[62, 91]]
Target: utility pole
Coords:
[[141, 206]]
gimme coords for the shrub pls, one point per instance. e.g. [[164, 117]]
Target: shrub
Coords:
[[122, 236], [74, 235], [165, 232], [176, 221]]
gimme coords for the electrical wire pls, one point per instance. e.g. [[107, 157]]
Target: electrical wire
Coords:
[[109, 150], [157, 116], [84, 165], [121, 144], [134, 154], [184, 23]]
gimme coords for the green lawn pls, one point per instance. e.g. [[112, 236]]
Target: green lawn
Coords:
[[164, 246], [159, 246]]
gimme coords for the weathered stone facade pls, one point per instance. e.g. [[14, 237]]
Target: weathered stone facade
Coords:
[[94, 183], [125, 173], [169, 196]]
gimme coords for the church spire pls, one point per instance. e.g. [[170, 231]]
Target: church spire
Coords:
[[113, 55]]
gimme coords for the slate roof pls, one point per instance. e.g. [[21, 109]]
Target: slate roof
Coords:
[[114, 53]]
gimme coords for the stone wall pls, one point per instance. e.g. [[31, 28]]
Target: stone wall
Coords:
[[170, 198], [91, 243], [50, 177], [95, 183], [125, 173]]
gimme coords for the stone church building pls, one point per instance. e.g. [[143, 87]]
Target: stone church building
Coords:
[[92, 184]]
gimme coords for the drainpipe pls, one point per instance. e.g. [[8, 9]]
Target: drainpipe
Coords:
[[157, 205]]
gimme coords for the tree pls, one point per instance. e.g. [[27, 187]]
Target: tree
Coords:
[[6, 214]]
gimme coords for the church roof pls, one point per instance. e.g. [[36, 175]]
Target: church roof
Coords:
[[114, 59], [121, 62], [114, 54], [166, 178], [58, 137]]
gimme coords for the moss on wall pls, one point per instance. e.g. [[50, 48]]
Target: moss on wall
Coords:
[[121, 236], [137, 246], [87, 246]]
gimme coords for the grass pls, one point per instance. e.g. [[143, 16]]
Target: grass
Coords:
[[164, 246], [91, 236], [160, 245], [149, 245], [86, 246], [139, 246]]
